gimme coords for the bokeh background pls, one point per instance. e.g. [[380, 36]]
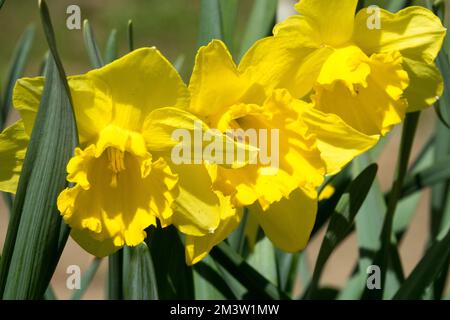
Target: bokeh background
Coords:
[[172, 26]]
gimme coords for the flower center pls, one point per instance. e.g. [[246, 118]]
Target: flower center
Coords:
[[116, 160]]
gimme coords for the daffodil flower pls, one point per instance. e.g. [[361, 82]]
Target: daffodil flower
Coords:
[[122, 178], [284, 201], [369, 74]]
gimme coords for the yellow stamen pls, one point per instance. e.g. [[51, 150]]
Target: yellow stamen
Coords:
[[116, 159]]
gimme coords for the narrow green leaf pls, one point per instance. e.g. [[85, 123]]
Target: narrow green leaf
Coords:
[[210, 283], [387, 258], [2, 2], [17, 67], [174, 278], [111, 51], [390, 5], [341, 222], [237, 239], [139, 280], [260, 23], [91, 46], [130, 35], [115, 276], [437, 173], [263, 259], [257, 285], [427, 269], [86, 279], [228, 15], [50, 294], [31, 246], [210, 22]]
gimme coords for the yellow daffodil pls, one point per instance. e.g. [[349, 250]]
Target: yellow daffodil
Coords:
[[369, 69], [226, 96], [121, 174]]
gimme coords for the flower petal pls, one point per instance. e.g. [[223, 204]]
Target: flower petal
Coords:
[[13, 147], [288, 223], [333, 19], [426, 84], [337, 141], [278, 62], [372, 106], [414, 31], [295, 158], [116, 205], [197, 209], [214, 65], [198, 247]]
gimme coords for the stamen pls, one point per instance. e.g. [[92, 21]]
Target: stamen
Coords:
[[116, 160]]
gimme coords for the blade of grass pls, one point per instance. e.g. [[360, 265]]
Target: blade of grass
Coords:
[[260, 23], [91, 46], [87, 278]]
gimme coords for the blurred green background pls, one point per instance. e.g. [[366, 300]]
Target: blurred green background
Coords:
[[170, 25]]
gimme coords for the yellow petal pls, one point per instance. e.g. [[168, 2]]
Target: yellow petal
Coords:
[[426, 84], [279, 62], [116, 196], [288, 223], [121, 94], [327, 192], [414, 31], [372, 106], [26, 98], [298, 163], [215, 83], [333, 19], [197, 209], [337, 141], [198, 247], [98, 248], [13, 146]]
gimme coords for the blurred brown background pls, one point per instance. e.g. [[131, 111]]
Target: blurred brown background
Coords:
[[172, 27]]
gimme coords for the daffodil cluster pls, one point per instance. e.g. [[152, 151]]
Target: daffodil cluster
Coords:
[[328, 81]]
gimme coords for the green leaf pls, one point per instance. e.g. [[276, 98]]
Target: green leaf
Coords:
[[31, 247], [130, 35], [387, 258], [115, 276], [210, 283], [91, 46], [437, 173], [210, 22], [341, 222], [427, 269], [256, 284], [260, 23], [2, 2], [228, 15], [369, 224], [20, 58], [174, 278], [139, 280], [263, 259], [443, 105], [87, 278], [390, 5], [111, 51]]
